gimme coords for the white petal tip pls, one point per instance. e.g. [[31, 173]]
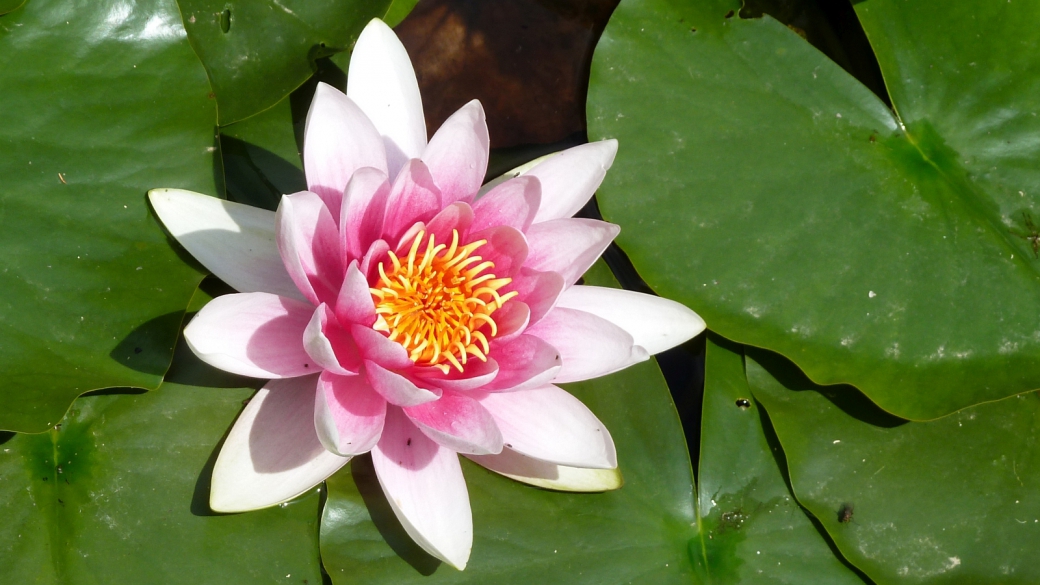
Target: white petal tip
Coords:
[[549, 476]]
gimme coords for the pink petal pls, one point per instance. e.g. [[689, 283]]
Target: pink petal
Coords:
[[404, 243], [476, 375], [568, 246], [272, 453], [424, 485], [569, 179], [538, 289], [376, 253], [458, 153], [308, 241], [549, 476], [459, 423], [656, 324], [378, 348], [512, 319], [348, 414], [382, 83], [395, 388], [506, 247], [338, 140], [252, 334], [413, 198], [524, 362], [513, 203], [549, 424], [354, 303], [364, 205], [590, 346], [457, 216], [328, 345]]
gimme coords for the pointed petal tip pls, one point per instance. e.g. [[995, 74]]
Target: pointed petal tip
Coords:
[[551, 476]]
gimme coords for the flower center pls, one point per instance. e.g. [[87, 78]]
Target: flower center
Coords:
[[438, 302]]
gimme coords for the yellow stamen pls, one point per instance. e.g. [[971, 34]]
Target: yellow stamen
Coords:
[[437, 301]]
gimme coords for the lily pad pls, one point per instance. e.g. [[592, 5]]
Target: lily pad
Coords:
[[762, 185], [118, 491], [261, 159], [256, 53], [955, 500], [111, 101], [751, 527], [636, 534], [10, 5]]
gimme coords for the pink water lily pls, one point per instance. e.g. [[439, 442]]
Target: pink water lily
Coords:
[[397, 312]]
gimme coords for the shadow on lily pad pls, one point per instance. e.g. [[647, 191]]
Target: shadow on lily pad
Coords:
[[364, 475], [146, 348], [848, 398]]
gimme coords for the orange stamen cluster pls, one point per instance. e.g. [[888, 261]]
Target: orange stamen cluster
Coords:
[[437, 302]]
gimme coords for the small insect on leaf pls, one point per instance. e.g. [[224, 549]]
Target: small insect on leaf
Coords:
[[845, 513]]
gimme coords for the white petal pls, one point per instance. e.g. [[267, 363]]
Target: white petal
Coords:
[[233, 241], [348, 414], [338, 140], [382, 83], [568, 246], [570, 178], [655, 323], [272, 454], [252, 334], [423, 483], [548, 423], [589, 346], [458, 153], [548, 475]]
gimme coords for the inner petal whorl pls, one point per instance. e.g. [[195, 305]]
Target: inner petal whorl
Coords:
[[438, 300]]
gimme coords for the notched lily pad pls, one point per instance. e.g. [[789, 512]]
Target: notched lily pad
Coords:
[[91, 289], [750, 525], [790, 207], [257, 52], [954, 500]]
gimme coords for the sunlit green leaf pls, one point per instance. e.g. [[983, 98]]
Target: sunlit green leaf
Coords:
[[118, 492], [759, 183], [110, 102], [258, 52], [955, 500], [752, 529], [10, 5]]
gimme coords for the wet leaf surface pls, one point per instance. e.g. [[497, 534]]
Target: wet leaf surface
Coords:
[[762, 185], [111, 102], [953, 500]]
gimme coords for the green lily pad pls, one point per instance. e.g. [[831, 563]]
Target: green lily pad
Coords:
[[751, 527], [261, 159], [636, 534], [760, 184], [398, 10], [955, 500], [10, 5], [118, 492], [111, 102], [258, 52]]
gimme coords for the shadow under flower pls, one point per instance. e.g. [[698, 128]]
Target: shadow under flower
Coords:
[[390, 528]]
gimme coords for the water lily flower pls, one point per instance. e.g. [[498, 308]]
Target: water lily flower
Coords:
[[397, 313]]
